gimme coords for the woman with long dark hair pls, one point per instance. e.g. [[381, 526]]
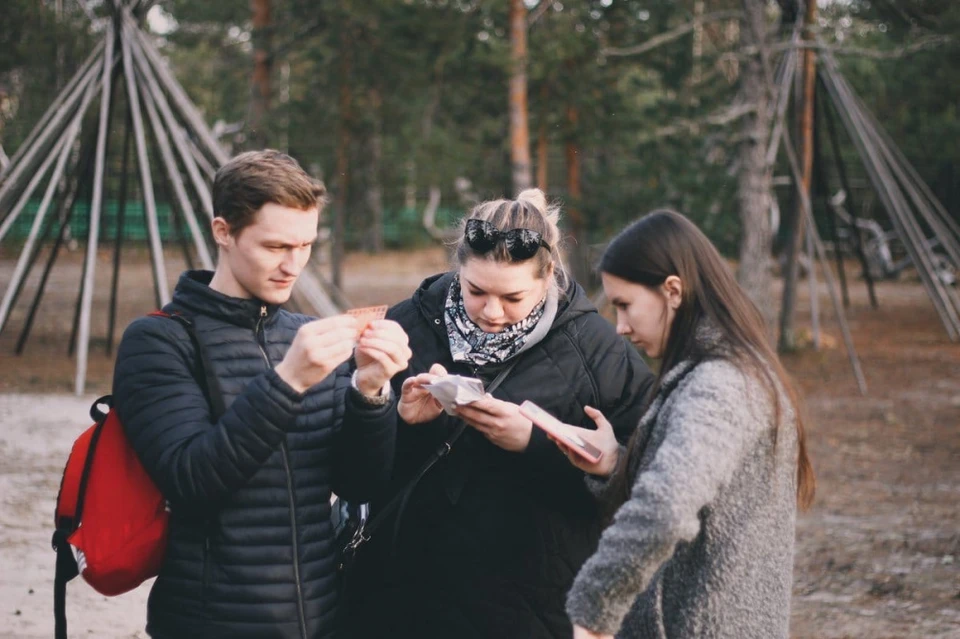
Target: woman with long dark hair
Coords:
[[705, 493]]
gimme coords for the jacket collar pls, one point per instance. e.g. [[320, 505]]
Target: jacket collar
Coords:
[[430, 297], [194, 296]]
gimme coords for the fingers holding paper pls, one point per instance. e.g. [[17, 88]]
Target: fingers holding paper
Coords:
[[417, 405], [603, 438], [498, 421], [382, 351]]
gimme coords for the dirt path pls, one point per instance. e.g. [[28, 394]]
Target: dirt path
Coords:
[[36, 432], [878, 556]]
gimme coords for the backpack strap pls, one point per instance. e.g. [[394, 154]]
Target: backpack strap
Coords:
[[206, 376]]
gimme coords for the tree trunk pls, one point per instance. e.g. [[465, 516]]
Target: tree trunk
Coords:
[[519, 131], [343, 160], [374, 188], [260, 84], [578, 252], [754, 180], [543, 145], [794, 244]]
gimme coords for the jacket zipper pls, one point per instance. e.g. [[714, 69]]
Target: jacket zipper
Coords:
[[286, 468]]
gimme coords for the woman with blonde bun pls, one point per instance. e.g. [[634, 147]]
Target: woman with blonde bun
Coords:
[[491, 537]]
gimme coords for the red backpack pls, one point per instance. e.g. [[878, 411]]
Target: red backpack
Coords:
[[111, 519]]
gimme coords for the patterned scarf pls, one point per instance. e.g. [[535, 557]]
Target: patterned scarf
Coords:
[[469, 342]]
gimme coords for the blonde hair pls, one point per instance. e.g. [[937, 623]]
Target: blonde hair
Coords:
[[529, 211]]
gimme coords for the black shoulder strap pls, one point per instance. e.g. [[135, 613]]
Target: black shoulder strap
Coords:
[[207, 377], [399, 503]]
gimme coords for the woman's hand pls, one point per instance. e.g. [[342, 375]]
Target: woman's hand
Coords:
[[603, 438], [498, 421], [416, 404], [579, 632]]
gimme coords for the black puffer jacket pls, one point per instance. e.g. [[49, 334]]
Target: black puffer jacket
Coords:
[[491, 540], [251, 550]]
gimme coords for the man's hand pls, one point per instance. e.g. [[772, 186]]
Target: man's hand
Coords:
[[498, 421], [317, 350], [382, 352], [417, 405], [603, 438]]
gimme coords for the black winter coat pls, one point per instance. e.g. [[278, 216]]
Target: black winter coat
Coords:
[[251, 550], [491, 540]]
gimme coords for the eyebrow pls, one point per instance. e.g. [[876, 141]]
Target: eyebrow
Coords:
[[285, 244], [472, 285], [616, 301]]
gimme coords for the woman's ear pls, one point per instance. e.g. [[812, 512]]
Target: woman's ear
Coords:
[[673, 291], [221, 232]]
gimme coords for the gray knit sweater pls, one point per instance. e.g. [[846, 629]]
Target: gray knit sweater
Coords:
[[704, 546]]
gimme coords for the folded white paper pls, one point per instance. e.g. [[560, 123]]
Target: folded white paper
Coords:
[[455, 390]]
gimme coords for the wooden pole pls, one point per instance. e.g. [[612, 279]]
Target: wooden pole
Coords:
[[149, 201], [177, 133], [795, 234], [27, 164], [81, 177], [807, 210], [173, 175], [186, 107], [31, 187], [54, 107], [96, 208], [26, 253], [822, 188], [845, 184], [118, 238], [894, 202]]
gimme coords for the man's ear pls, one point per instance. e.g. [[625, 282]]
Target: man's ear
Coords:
[[221, 232], [673, 291]]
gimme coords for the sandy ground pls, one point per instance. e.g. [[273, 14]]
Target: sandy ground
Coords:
[[877, 557], [36, 432]]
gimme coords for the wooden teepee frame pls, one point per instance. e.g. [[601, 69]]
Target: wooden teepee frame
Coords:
[[67, 152], [910, 204]]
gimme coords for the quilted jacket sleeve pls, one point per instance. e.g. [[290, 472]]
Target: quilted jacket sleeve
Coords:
[[366, 445], [167, 418]]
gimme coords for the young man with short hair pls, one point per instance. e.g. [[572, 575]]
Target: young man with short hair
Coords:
[[251, 550]]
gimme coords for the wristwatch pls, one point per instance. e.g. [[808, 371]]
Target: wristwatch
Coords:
[[382, 398]]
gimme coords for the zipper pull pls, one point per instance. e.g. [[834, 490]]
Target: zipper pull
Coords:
[[263, 311]]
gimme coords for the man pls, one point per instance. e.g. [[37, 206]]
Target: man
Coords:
[[251, 550]]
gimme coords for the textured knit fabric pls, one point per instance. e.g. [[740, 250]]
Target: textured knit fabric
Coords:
[[703, 547], [251, 550], [491, 540]]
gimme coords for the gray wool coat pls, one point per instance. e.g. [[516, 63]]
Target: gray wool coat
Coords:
[[704, 545]]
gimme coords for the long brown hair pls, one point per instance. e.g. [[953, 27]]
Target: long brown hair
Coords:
[[665, 243]]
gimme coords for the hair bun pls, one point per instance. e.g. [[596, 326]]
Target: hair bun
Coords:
[[538, 200], [534, 197]]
